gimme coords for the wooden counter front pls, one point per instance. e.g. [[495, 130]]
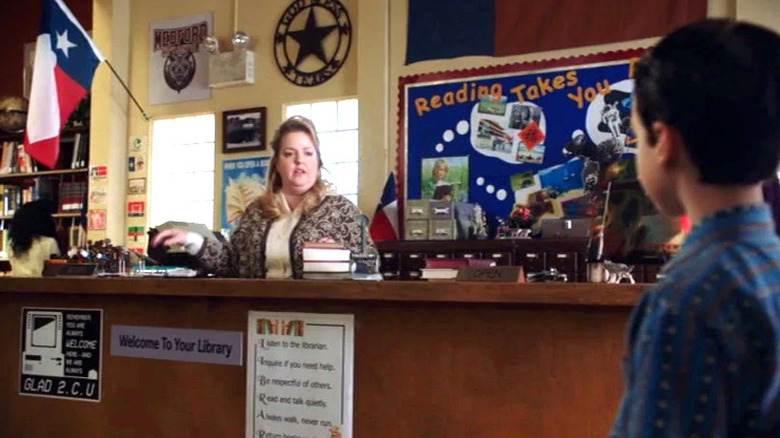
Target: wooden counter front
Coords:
[[441, 359]]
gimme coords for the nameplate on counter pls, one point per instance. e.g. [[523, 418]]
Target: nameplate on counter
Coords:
[[498, 274], [184, 345], [69, 269]]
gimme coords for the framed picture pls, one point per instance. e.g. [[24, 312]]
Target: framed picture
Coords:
[[243, 130], [136, 186]]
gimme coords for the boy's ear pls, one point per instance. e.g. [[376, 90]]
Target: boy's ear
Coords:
[[668, 143]]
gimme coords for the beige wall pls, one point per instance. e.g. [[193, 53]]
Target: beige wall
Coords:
[[763, 12], [375, 63], [271, 89], [108, 128]]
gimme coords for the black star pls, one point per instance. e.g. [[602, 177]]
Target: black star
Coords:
[[310, 39]]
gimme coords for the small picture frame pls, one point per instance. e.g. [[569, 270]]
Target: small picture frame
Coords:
[[243, 130], [136, 186]]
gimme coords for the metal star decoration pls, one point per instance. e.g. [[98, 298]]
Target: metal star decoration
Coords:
[[310, 39]]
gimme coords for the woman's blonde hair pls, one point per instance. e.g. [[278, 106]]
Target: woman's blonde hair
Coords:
[[441, 162], [268, 201]]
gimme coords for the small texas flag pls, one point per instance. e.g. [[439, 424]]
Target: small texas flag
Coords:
[[65, 63], [384, 225]]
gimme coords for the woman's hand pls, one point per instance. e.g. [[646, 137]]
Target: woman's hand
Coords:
[[170, 237]]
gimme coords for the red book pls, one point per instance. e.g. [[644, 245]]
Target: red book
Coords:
[[456, 263]]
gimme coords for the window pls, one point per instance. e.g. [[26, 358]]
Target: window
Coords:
[[182, 177], [337, 127]]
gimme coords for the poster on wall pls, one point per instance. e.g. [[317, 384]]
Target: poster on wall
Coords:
[[532, 137], [243, 180], [136, 208], [60, 353], [178, 67], [97, 219]]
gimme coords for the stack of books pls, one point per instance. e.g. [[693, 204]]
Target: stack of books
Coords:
[[14, 159], [72, 196], [326, 261], [447, 269], [11, 198]]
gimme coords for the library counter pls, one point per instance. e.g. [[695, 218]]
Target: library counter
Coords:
[[432, 359]]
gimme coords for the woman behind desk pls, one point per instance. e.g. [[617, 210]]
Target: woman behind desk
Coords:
[[297, 207], [32, 239]]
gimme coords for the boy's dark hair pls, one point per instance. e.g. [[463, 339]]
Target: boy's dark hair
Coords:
[[31, 220], [718, 83]]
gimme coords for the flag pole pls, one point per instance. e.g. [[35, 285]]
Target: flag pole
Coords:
[[143, 113]]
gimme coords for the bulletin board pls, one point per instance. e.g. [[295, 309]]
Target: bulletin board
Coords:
[[529, 134]]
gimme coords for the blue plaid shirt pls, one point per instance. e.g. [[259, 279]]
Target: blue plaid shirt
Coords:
[[703, 342]]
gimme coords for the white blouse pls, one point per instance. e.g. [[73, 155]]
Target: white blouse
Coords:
[[277, 245]]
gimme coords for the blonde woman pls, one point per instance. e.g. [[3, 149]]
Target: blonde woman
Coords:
[[297, 207]]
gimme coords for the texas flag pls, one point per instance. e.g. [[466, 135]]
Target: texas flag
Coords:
[[384, 225], [65, 63]]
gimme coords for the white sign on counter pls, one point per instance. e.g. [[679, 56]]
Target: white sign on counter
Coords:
[[61, 351], [299, 375]]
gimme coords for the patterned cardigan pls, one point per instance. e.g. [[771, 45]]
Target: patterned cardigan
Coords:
[[334, 218]]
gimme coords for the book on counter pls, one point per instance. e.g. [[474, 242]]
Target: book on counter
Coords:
[[439, 273], [326, 261], [326, 266], [327, 275], [325, 252]]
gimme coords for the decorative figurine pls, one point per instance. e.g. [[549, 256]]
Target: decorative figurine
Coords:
[[550, 275], [617, 272], [366, 263], [502, 229], [479, 224]]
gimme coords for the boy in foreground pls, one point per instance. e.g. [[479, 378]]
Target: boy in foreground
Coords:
[[703, 342]]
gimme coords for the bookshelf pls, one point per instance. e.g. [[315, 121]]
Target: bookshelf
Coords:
[[23, 180]]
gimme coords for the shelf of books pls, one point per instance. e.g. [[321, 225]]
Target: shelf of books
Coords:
[[23, 180]]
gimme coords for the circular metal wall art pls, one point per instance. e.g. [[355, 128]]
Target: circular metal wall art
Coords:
[[312, 41]]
